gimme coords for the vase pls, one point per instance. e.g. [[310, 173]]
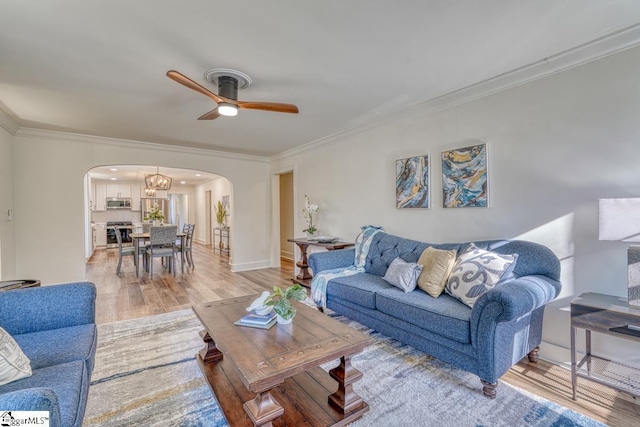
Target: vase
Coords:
[[311, 236], [282, 321], [157, 223]]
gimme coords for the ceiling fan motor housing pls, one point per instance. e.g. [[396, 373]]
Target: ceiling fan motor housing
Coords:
[[228, 87]]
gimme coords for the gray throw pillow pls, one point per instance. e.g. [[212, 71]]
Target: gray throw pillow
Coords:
[[14, 365], [475, 272], [402, 274]]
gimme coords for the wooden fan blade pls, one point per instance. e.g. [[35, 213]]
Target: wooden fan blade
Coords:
[[268, 106], [213, 114], [186, 81]]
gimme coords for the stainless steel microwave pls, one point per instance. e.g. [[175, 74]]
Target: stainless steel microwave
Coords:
[[118, 203]]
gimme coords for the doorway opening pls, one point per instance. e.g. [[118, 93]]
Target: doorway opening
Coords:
[[188, 201]]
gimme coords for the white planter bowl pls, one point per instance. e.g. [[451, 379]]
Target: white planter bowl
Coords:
[[282, 320]]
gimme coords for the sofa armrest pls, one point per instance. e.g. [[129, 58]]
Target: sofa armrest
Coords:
[[512, 300], [517, 298], [341, 258], [33, 399], [48, 307]]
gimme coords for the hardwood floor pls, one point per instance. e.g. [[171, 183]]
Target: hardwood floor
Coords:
[[126, 296]]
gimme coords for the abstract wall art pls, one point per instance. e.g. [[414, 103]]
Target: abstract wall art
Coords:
[[464, 177], [412, 182]]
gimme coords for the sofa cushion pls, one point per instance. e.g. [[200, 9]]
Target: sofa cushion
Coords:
[[445, 316], [475, 272], [359, 289], [436, 268], [402, 274], [68, 381], [56, 346], [14, 365], [385, 248]]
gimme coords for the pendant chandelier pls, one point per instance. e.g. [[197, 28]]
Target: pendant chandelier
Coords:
[[149, 191], [157, 181]]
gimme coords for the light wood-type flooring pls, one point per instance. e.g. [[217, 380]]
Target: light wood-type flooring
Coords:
[[126, 296]]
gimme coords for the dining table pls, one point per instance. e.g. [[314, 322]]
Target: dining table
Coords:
[[144, 236]]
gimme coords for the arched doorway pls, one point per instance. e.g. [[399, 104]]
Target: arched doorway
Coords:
[[185, 200]]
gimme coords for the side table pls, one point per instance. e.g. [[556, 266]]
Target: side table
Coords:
[[220, 240], [9, 285], [607, 315], [304, 277]]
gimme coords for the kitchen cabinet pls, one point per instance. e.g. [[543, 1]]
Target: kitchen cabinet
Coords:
[[118, 190], [136, 195], [100, 197], [161, 194], [99, 235]]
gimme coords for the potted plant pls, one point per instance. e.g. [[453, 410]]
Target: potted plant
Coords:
[[281, 302], [308, 211], [156, 215]]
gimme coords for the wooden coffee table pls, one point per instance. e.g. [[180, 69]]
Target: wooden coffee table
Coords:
[[273, 377]]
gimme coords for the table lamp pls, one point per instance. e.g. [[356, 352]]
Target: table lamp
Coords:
[[620, 220]]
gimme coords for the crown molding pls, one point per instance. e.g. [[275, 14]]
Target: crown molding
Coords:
[[7, 123], [593, 50], [90, 139]]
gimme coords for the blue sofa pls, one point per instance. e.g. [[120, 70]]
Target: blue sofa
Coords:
[[504, 325], [55, 328]]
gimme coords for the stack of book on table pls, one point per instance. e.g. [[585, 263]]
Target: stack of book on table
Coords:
[[253, 320]]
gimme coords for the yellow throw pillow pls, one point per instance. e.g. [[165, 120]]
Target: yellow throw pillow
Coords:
[[436, 268]]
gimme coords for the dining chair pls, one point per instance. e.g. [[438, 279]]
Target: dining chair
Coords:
[[123, 251], [162, 243], [188, 240]]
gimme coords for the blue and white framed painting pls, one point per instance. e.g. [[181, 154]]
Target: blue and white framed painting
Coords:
[[464, 177], [412, 183]]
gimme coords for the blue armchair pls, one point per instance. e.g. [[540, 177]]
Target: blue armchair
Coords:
[[55, 328]]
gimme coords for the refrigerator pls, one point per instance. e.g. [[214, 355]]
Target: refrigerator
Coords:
[[147, 204]]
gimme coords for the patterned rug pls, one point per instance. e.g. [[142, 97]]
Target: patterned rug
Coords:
[[146, 374]]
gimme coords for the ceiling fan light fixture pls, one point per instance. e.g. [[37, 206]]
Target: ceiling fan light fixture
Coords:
[[226, 109]]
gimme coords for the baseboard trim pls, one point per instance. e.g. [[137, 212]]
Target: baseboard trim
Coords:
[[247, 266]]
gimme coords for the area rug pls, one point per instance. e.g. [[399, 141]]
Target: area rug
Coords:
[[146, 374]]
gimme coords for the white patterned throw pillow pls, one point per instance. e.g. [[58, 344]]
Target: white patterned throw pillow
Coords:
[[14, 365], [402, 274], [475, 272]]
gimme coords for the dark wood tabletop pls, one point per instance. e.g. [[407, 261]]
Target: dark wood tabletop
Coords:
[[273, 362]]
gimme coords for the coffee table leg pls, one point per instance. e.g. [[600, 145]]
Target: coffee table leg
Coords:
[[263, 409], [345, 399], [209, 352]]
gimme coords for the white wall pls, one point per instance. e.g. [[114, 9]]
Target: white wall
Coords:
[[50, 166], [218, 187], [7, 230], [555, 146]]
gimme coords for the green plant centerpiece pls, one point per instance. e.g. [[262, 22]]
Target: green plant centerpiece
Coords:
[[221, 213], [155, 214], [281, 302]]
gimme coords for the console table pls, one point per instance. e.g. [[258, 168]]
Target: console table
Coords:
[[220, 240], [607, 315], [304, 277]]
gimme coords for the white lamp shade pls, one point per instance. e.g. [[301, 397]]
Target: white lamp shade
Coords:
[[620, 219]]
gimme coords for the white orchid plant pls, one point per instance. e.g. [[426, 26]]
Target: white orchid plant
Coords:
[[308, 211]]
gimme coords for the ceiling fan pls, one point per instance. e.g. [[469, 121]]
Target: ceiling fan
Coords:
[[228, 82]]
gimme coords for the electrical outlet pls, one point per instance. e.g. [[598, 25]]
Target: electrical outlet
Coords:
[[10, 215]]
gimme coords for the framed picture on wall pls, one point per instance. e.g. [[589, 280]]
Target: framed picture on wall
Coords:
[[464, 177], [412, 183]]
